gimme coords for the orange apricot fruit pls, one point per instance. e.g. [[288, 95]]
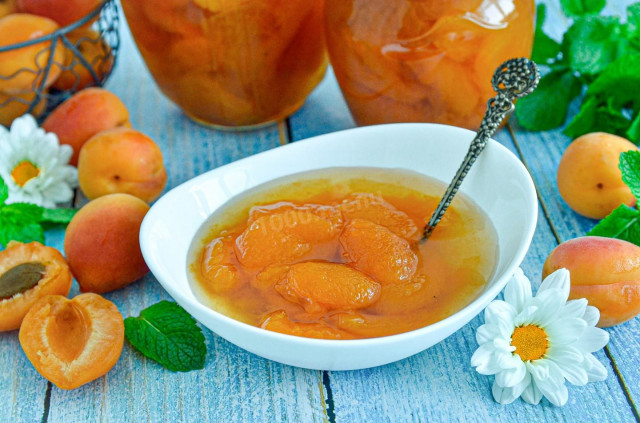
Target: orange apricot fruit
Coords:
[[22, 69], [27, 273], [219, 275], [377, 210], [589, 179], [13, 106], [279, 321], [102, 245], [97, 54], [121, 160], [64, 12], [319, 286], [605, 271], [378, 252], [285, 234], [7, 7], [85, 114], [72, 342]]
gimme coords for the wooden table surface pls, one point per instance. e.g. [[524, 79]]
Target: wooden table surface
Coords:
[[437, 385]]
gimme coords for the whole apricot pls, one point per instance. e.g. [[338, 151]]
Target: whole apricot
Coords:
[[605, 271], [98, 59], [101, 243], [15, 105], [64, 12], [23, 68], [72, 342], [7, 7], [27, 273], [85, 114], [589, 179], [121, 160]]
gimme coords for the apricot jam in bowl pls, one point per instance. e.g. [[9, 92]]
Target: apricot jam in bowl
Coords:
[[310, 254]]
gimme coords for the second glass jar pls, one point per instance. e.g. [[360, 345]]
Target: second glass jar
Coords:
[[424, 60]]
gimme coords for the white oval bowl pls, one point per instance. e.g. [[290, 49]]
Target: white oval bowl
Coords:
[[498, 183]]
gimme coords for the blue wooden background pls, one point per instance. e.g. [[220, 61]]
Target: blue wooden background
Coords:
[[435, 385]]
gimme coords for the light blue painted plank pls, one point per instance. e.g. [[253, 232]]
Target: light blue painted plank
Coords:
[[235, 385]]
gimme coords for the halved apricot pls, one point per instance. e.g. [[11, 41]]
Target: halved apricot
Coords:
[[377, 210], [219, 275], [27, 273], [378, 252], [279, 321], [319, 287], [283, 234], [72, 342]]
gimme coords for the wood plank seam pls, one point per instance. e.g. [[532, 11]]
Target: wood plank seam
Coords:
[[326, 395], [607, 351], [47, 403]]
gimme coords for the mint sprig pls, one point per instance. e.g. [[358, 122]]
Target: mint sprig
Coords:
[[166, 333], [599, 55], [26, 222], [624, 222]]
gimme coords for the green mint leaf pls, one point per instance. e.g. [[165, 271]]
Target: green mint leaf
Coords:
[[622, 223], [544, 47], [633, 133], [619, 82], [58, 216], [4, 191], [22, 232], [630, 168], [546, 108], [596, 116], [591, 44], [166, 333], [633, 19], [582, 7], [22, 212]]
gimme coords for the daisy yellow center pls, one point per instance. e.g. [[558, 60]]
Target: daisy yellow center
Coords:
[[24, 172], [530, 341]]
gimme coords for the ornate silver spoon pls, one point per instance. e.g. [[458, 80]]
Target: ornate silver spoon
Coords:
[[513, 79]]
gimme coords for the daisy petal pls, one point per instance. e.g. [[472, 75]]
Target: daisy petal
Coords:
[[511, 377], [575, 308], [508, 360], [593, 339], [486, 333], [558, 396], [596, 371], [503, 395], [532, 394], [482, 355], [591, 315], [499, 311], [574, 372], [559, 280], [518, 291], [549, 303], [566, 331]]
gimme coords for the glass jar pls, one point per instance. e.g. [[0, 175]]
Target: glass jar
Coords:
[[424, 60], [231, 63]]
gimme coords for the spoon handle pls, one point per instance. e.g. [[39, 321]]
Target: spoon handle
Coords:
[[513, 79]]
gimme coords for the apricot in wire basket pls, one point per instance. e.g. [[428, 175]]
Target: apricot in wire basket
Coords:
[[27, 273], [72, 342]]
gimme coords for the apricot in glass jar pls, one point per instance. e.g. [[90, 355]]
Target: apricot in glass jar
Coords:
[[423, 60], [72, 342], [27, 273], [231, 63]]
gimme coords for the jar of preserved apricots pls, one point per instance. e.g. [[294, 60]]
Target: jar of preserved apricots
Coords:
[[231, 63], [423, 60]]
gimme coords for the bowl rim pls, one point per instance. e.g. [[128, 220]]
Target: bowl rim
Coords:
[[490, 293]]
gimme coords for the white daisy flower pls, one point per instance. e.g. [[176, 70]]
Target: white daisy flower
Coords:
[[532, 344], [34, 165]]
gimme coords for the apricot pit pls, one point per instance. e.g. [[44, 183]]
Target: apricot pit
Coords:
[[28, 272]]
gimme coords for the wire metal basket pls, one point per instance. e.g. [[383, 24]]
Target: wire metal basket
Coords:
[[65, 61]]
